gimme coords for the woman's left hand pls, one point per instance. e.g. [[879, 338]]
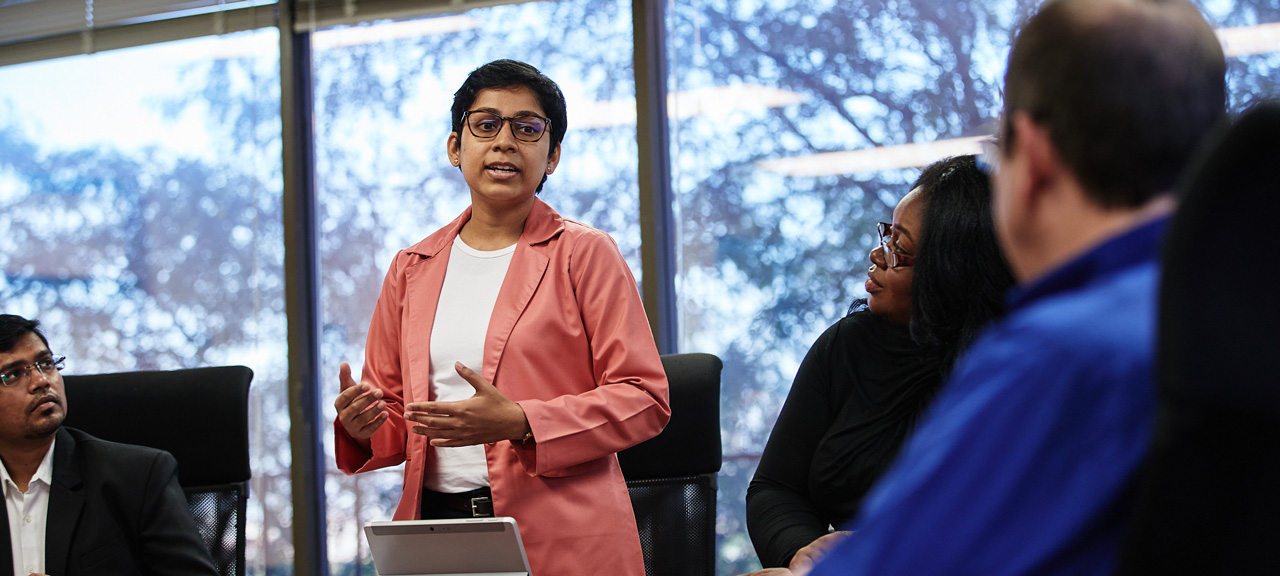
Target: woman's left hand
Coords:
[[771, 572], [807, 557], [484, 418]]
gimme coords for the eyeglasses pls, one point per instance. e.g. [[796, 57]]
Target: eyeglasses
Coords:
[[989, 160], [16, 375], [526, 128], [892, 257]]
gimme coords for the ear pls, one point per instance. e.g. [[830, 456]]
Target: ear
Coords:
[[1041, 163], [553, 159], [454, 149], [1019, 192]]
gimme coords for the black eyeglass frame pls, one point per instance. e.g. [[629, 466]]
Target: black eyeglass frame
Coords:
[[17, 375], [892, 257], [504, 121]]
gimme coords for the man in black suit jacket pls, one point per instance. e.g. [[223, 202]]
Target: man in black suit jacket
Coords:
[[108, 508]]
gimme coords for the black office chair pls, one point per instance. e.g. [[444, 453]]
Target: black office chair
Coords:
[[672, 477], [1209, 497], [199, 415]]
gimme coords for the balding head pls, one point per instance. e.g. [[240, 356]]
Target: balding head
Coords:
[[1126, 89]]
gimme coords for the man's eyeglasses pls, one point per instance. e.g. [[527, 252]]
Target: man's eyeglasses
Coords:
[[892, 257], [16, 375], [526, 128], [988, 160]]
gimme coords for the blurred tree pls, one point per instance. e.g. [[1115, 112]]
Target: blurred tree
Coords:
[[159, 257], [147, 258]]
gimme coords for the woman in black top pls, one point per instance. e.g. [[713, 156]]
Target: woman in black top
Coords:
[[935, 279]]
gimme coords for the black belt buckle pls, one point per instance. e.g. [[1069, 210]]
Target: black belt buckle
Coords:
[[482, 507]]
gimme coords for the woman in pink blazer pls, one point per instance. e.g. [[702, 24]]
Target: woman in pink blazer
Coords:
[[509, 358]]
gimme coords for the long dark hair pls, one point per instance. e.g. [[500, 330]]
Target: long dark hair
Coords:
[[960, 277]]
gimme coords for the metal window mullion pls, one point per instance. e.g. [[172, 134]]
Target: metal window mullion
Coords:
[[302, 296], [657, 223]]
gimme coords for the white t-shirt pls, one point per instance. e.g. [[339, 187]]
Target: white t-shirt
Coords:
[[28, 514], [471, 284]]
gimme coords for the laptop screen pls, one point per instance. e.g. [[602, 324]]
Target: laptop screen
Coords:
[[463, 547]]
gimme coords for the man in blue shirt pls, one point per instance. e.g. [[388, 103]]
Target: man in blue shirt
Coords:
[[1026, 462]]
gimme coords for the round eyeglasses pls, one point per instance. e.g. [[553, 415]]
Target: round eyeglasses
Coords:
[[892, 257], [17, 375], [526, 127]]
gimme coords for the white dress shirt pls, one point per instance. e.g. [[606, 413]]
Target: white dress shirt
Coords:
[[27, 514]]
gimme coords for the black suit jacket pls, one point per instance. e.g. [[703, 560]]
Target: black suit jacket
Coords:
[[115, 509]]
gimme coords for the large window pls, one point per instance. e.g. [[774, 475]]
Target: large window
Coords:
[[782, 117], [140, 189], [141, 216], [383, 95], [796, 125]]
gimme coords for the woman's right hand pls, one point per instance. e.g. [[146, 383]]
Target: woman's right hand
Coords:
[[360, 406]]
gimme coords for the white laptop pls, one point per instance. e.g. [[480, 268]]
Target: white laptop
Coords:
[[463, 547]]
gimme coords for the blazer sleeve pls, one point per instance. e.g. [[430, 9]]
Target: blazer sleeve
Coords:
[[781, 517], [382, 369], [628, 401], [168, 540]]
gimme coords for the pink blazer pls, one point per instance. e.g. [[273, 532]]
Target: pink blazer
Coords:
[[569, 342]]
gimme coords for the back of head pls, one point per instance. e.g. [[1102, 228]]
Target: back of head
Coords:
[[13, 328], [960, 276], [1126, 88]]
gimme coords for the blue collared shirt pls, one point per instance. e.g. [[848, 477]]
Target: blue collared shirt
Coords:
[[1025, 463]]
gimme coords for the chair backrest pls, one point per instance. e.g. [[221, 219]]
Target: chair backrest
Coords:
[[672, 476], [1208, 500], [199, 415]]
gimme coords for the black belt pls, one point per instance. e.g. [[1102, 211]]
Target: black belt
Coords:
[[478, 503]]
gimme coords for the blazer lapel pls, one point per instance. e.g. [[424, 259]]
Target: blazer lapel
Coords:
[[528, 266], [423, 281], [523, 276], [66, 499]]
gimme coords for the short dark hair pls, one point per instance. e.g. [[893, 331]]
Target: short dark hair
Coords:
[[960, 277], [13, 328], [1126, 89], [508, 74]]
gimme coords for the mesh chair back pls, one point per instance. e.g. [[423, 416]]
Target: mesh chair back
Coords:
[[210, 443], [672, 476], [677, 522], [219, 514]]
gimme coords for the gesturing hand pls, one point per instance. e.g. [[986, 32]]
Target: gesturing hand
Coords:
[[360, 406], [485, 418]]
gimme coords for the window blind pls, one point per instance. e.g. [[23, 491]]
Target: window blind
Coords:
[[319, 14], [32, 30]]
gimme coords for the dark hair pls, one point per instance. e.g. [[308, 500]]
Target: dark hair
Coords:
[[13, 328], [508, 74], [960, 277], [1126, 90]]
